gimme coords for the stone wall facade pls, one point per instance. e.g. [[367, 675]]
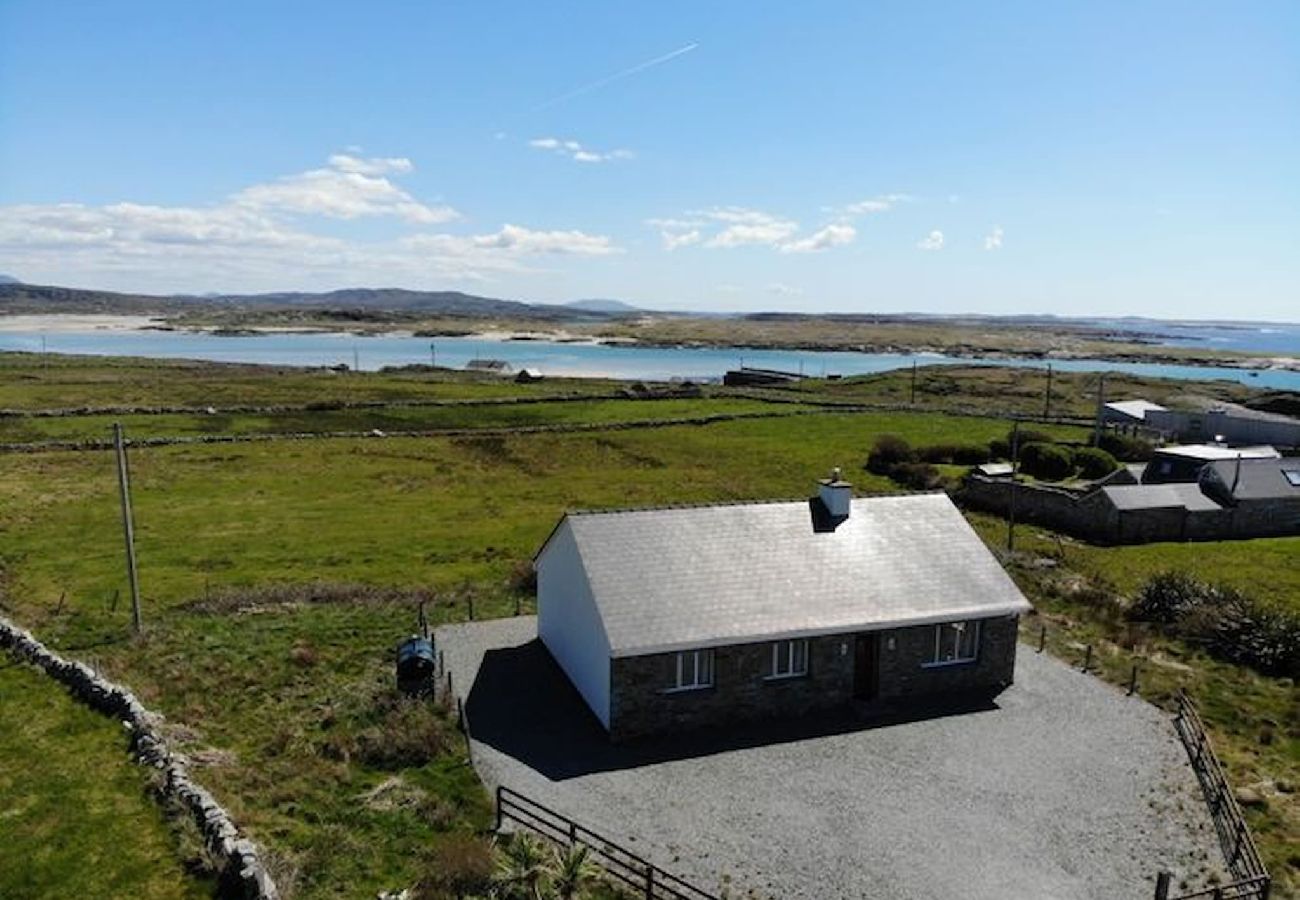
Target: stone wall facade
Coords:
[[1091, 517], [743, 691]]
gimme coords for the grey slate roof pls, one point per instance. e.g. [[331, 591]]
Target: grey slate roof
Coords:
[[1135, 409], [1159, 496], [670, 579], [1261, 479]]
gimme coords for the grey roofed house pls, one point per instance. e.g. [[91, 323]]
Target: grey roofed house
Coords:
[[1253, 479], [1174, 495], [751, 608], [496, 366], [1129, 411]]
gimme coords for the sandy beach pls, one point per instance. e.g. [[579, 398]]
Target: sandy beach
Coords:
[[59, 324]]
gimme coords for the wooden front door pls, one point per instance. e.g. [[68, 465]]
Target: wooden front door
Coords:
[[866, 666]]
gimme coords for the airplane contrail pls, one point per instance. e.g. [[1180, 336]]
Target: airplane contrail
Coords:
[[596, 85]]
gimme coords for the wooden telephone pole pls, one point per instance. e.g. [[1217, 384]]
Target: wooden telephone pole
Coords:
[[1015, 474], [1101, 405], [1047, 397], [913, 400], [128, 525]]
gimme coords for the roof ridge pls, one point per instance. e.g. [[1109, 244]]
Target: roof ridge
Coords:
[[709, 504]]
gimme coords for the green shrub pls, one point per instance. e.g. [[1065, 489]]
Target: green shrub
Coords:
[[889, 451], [1126, 447], [919, 476], [1050, 461], [1093, 462], [962, 454], [1168, 597], [1229, 624]]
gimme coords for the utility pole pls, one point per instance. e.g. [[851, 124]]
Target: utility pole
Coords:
[[128, 526], [1015, 487], [1047, 397], [913, 400], [1101, 402], [356, 359], [433, 355]]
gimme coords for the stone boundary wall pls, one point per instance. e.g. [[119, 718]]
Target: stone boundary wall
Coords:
[[243, 875], [42, 446]]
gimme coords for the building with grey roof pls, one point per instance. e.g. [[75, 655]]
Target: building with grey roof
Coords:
[[670, 618]]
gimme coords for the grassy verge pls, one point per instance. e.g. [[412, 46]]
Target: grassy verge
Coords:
[[75, 814]]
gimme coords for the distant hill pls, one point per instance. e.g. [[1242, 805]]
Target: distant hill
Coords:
[[614, 307], [8, 279], [29, 298]]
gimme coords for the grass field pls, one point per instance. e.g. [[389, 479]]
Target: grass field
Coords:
[[278, 691], [75, 814]]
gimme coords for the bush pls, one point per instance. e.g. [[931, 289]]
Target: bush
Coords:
[[999, 448], [461, 865], [1229, 624], [889, 451], [1093, 462], [408, 734], [1168, 597], [1049, 461], [970, 454], [963, 454], [918, 476], [1126, 447]]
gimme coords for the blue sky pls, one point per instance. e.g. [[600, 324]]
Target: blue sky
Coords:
[[1089, 158]]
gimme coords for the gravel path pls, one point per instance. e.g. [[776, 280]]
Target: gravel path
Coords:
[[1067, 789]]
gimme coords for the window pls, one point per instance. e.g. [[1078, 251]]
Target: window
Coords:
[[1292, 476], [692, 669], [955, 642], [789, 659]]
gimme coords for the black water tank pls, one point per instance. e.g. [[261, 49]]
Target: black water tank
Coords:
[[415, 664]]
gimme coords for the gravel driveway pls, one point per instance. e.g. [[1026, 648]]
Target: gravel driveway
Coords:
[[1064, 788]]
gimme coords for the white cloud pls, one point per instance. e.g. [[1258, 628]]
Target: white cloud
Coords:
[[880, 204], [932, 241], [576, 151], [260, 238], [373, 166], [993, 240], [826, 238], [673, 240], [728, 227], [349, 188], [746, 226]]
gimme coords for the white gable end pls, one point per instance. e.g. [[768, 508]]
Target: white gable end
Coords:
[[568, 622]]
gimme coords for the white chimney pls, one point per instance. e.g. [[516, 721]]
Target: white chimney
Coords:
[[836, 495]]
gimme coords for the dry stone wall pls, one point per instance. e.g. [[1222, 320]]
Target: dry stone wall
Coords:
[[243, 874]]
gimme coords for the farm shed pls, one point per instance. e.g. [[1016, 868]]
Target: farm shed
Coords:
[[669, 618]]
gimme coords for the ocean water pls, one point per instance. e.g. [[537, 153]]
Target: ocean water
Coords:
[[558, 358]]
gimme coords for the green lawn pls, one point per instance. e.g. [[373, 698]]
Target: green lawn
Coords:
[[75, 816]]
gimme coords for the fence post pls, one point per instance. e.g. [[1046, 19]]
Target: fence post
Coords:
[[649, 882], [498, 828], [1162, 886], [1042, 639], [573, 833], [1087, 658], [1133, 680]]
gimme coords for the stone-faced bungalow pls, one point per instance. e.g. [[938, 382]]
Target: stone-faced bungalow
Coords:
[[665, 619]]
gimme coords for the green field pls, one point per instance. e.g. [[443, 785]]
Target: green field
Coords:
[[77, 819], [279, 676]]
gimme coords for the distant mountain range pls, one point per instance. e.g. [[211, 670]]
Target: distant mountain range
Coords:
[[16, 297], [8, 279]]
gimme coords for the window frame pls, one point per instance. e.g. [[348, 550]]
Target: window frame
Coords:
[[701, 667], [784, 651], [937, 661]]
